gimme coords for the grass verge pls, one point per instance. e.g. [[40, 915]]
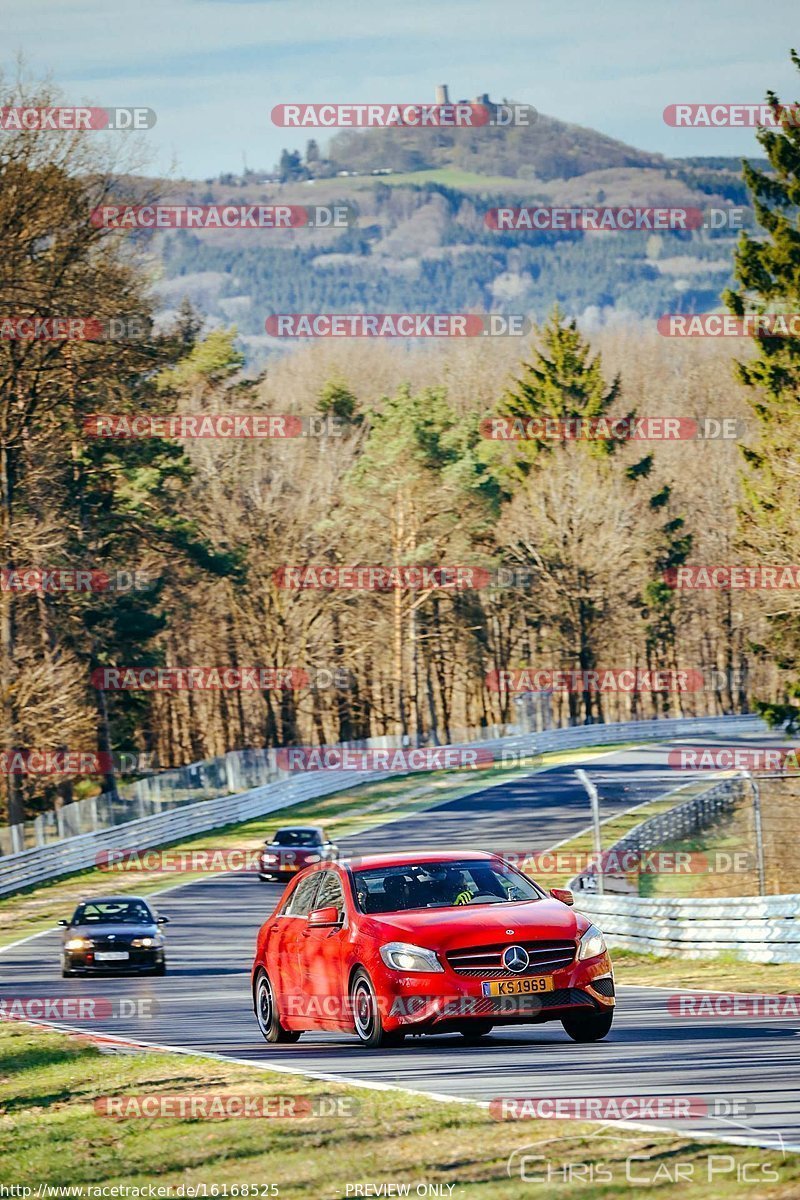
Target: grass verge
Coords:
[[723, 974], [51, 1134]]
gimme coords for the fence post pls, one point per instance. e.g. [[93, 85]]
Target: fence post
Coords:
[[762, 889], [598, 848]]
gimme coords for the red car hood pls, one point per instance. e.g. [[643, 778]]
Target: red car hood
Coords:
[[453, 928]]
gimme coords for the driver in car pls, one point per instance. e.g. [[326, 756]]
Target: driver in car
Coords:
[[449, 886]]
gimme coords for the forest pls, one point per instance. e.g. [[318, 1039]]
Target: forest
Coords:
[[571, 545]]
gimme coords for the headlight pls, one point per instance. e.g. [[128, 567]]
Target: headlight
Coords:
[[148, 941], [592, 943], [77, 944], [401, 956], [269, 858], [312, 858]]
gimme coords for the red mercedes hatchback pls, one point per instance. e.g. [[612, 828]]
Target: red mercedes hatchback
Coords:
[[396, 944]]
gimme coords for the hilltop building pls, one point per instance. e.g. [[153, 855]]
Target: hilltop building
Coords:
[[442, 96]]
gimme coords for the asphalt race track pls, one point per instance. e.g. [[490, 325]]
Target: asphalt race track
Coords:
[[204, 1001]]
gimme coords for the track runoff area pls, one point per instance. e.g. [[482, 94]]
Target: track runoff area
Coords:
[[738, 1070]]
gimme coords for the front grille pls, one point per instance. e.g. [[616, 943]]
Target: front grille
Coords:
[[119, 943], [484, 962], [605, 987], [497, 1006]]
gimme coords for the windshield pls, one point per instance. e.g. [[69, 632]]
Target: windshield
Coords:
[[116, 912], [441, 885], [296, 837]]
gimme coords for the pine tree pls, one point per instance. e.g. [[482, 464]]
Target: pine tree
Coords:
[[562, 382], [767, 269]]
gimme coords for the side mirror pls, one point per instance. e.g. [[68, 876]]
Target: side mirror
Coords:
[[325, 916], [562, 894], [162, 920], [63, 922]]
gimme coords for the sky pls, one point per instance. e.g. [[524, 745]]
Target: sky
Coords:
[[213, 69]]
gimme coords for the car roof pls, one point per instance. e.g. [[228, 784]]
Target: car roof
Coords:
[[365, 862], [114, 900], [299, 829]]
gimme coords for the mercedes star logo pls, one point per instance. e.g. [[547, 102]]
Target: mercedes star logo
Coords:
[[515, 958]]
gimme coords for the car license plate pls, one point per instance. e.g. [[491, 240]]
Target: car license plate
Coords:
[[111, 955], [518, 987]]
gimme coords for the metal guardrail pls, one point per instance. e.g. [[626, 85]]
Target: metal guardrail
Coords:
[[678, 822], [228, 774], [763, 929], [29, 867]]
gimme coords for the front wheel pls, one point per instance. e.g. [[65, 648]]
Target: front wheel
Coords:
[[267, 1013], [65, 971], [366, 1014], [588, 1027]]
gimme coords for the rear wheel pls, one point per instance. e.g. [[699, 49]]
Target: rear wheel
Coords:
[[366, 1014], [267, 1013], [588, 1027], [475, 1030]]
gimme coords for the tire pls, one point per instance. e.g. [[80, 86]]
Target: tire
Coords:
[[161, 969], [366, 1014], [588, 1027], [475, 1031], [65, 972], [267, 1012]]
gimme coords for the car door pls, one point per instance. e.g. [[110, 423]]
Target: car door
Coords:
[[321, 958], [289, 926]]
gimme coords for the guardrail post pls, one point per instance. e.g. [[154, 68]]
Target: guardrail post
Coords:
[[231, 763]]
